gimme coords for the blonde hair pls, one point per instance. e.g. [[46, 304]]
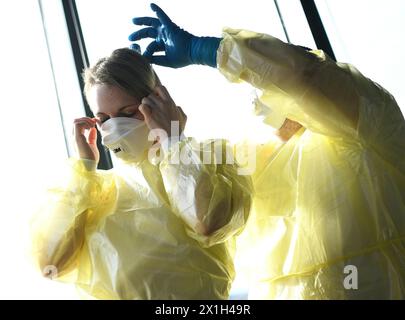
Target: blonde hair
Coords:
[[125, 69]]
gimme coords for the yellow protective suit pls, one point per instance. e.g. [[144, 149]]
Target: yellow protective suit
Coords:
[[134, 232], [334, 194]]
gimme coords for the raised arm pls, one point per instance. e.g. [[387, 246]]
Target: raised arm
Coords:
[[304, 86], [330, 98]]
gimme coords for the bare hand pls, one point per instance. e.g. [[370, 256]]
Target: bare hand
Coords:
[[159, 110], [86, 146]]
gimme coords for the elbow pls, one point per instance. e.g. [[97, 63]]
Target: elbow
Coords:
[[49, 271], [52, 266], [56, 256], [46, 266], [40, 257], [53, 270]]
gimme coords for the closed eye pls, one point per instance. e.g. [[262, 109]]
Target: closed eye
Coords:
[[103, 118], [127, 114], [137, 113]]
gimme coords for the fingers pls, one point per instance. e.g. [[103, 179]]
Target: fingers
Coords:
[[152, 48], [85, 122], [92, 139], [135, 47], [153, 101], [146, 112], [86, 147], [98, 123], [160, 99], [143, 33], [163, 93], [164, 19], [82, 124], [146, 21], [160, 61]]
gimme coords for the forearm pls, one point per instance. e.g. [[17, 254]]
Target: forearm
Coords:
[[305, 86], [265, 61], [57, 241], [200, 187], [59, 224]]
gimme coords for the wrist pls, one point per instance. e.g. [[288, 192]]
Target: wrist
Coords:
[[89, 164], [204, 50]]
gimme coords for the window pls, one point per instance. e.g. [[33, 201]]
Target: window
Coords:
[[42, 97], [368, 34], [33, 140]]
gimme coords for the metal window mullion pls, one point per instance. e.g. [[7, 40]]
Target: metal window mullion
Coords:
[[317, 28], [82, 62]]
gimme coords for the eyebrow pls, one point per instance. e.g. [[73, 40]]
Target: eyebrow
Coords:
[[129, 105]]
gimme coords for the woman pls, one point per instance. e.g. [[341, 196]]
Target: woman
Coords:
[[329, 203], [149, 228]]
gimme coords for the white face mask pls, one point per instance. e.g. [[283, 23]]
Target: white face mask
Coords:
[[127, 138]]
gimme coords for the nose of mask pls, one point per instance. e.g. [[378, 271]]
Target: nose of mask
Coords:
[[127, 138]]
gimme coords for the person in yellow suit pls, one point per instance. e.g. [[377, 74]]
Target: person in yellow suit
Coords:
[[162, 223], [328, 216]]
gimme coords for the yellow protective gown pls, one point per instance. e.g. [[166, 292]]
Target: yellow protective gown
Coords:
[[133, 232], [334, 194]]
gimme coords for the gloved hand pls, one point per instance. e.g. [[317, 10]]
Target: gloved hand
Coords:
[[181, 47]]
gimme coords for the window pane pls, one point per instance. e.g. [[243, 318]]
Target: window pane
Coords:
[[32, 144], [368, 34], [296, 23], [63, 66]]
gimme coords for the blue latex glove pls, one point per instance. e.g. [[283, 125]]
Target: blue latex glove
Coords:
[[181, 47]]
